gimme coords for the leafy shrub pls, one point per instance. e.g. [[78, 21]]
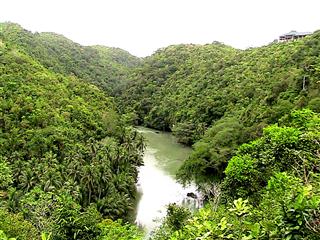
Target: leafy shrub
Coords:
[[15, 226], [110, 230], [290, 148], [6, 177]]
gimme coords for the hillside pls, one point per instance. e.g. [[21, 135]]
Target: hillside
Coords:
[[222, 96], [105, 67], [69, 158], [68, 161], [271, 189]]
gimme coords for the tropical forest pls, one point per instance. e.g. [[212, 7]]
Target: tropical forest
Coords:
[[81, 126]]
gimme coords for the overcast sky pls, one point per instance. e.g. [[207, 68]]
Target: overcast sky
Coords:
[[143, 26]]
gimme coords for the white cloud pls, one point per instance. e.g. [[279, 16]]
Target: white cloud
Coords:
[[142, 26]]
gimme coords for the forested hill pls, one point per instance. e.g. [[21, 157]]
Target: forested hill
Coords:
[[226, 94], [169, 73], [108, 68], [194, 85], [68, 161]]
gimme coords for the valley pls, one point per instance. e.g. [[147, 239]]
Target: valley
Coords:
[[95, 143]]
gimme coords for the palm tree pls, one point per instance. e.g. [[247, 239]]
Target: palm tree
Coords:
[[27, 180]]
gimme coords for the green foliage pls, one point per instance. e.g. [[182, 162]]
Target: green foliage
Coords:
[[45, 236], [188, 133], [314, 105], [111, 230], [271, 189], [243, 176], [190, 89], [5, 174], [293, 148], [289, 210], [293, 207], [60, 215], [3, 236], [240, 207], [154, 90], [177, 216], [68, 160], [209, 158], [14, 225], [105, 67]]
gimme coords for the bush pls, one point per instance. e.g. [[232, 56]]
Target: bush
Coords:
[[15, 226], [111, 230]]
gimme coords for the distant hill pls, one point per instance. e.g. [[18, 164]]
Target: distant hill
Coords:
[[209, 92], [222, 95], [105, 67], [68, 160]]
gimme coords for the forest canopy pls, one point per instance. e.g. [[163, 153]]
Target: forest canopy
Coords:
[[217, 97], [67, 159], [69, 152]]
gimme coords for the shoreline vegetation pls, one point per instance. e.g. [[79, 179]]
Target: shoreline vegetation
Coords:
[[69, 153]]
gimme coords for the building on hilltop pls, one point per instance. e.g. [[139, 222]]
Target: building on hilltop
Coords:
[[293, 35]]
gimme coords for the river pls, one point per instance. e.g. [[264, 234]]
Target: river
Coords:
[[156, 183]]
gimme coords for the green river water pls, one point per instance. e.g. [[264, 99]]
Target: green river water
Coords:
[[156, 183]]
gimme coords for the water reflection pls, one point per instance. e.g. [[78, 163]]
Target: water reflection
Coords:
[[156, 181]]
